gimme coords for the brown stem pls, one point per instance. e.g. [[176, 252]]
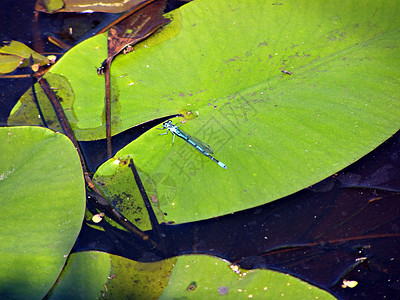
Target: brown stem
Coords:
[[124, 16], [62, 119], [108, 107], [34, 96], [95, 195]]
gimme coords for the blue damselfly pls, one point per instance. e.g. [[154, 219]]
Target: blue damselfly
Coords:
[[197, 144]]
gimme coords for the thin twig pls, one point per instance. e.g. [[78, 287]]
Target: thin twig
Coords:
[[62, 118], [123, 17], [102, 202], [153, 219], [34, 96]]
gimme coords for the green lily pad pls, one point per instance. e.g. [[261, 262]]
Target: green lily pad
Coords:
[[50, 6], [14, 53], [84, 276], [42, 203], [9, 63], [91, 275], [206, 277], [222, 62]]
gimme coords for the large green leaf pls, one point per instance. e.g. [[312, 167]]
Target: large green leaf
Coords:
[[42, 205], [277, 134], [220, 49], [222, 62], [206, 277]]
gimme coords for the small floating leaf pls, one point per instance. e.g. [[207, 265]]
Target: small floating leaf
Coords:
[[19, 49]]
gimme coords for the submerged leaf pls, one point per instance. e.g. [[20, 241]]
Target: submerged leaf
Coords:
[[136, 27]]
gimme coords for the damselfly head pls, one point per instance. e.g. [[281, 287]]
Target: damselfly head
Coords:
[[167, 124], [102, 69]]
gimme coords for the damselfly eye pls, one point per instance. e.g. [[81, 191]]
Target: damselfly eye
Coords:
[[102, 69]]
